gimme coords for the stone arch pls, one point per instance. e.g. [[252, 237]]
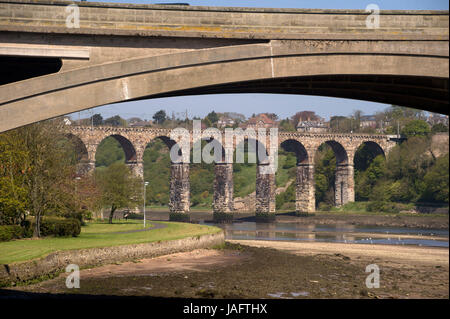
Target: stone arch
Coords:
[[343, 181], [213, 143], [304, 183], [80, 148], [339, 151], [127, 146], [374, 147], [179, 186], [363, 157], [253, 145], [292, 145]]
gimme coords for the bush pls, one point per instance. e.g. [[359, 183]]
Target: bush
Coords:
[[60, 227], [375, 206], [325, 207], [10, 232], [386, 207]]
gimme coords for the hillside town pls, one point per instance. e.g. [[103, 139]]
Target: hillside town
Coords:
[[390, 121]]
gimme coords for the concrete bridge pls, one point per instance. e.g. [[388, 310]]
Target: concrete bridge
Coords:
[[304, 145], [121, 52]]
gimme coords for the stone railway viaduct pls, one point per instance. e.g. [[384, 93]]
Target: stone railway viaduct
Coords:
[[304, 145], [125, 52]]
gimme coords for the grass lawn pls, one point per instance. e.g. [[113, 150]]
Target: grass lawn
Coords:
[[98, 234]]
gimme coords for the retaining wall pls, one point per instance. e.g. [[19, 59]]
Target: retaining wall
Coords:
[[56, 262]]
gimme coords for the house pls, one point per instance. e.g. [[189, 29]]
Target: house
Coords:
[[434, 118], [368, 121], [225, 121], [140, 123], [308, 121], [260, 121], [312, 126]]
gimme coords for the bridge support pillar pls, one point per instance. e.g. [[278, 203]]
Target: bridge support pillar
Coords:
[[223, 192], [265, 194], [179, 200], [344, 184], [85, 168], [137, 169], [304, 191]]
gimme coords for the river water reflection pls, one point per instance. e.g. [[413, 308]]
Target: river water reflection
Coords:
[[338, 234]]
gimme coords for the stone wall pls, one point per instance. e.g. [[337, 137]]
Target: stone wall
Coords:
[[84, 258]]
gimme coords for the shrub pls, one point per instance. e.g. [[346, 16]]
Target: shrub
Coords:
[[10, 232], [375, 206], [60, 227], [325, 207], [386, 207]]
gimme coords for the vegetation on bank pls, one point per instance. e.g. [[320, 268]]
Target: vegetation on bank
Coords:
[[99, 234]]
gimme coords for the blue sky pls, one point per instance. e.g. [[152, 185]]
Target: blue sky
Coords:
[[247, 104]]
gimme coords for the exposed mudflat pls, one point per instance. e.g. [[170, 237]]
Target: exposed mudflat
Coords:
[[269, 269]]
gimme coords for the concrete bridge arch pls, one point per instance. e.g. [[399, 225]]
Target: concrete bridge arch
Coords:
[[276, 67]]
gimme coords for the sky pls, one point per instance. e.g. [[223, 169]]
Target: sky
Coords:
[[248, 104]]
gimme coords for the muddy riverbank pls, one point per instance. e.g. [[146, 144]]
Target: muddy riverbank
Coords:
[[394, 220], [292, 270]]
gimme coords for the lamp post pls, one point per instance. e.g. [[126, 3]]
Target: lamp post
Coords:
[[145, 186]]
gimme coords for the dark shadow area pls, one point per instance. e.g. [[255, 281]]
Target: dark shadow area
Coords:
[[13, 69]]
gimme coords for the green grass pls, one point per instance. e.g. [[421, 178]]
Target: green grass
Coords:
[[98, 234]]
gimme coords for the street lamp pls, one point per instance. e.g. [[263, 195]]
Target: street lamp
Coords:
[[145, 186]]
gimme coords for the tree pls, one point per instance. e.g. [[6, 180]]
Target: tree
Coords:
[[213, 117], [304, 116], [115, 121], [118, 186], [437, 181], [97, 119], [272, 116], [286, 125], [439, 128], [340, 124], [160, 117], [41, 178], [416, 128]]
